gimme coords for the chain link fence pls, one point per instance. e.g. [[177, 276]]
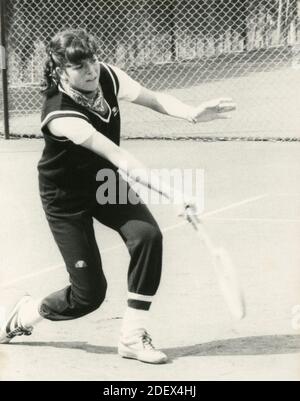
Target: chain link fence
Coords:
[[196, 49]]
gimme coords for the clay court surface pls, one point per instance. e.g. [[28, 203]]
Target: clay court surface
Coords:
[[252, 207]]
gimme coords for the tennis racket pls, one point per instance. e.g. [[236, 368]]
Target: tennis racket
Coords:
[[224, 269]]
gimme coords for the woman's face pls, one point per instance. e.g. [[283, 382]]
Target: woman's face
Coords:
[[83, 76]]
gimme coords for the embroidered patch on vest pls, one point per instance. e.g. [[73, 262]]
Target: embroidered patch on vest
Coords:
[[81, 264]]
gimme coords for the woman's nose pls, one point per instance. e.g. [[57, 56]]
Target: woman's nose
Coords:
[[89, 68]]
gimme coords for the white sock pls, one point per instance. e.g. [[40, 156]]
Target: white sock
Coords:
[[134, 319], [29, 313]]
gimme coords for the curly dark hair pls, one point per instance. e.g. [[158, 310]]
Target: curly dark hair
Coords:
[[69, 46]]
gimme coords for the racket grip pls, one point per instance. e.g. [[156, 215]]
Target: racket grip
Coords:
[[192, 218]]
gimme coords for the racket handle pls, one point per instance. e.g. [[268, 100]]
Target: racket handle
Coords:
[[192, 218]]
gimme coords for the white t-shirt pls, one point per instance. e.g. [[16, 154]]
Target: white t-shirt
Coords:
[[129, 88]]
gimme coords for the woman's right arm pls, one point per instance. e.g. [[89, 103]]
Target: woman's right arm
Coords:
[[82, 133]]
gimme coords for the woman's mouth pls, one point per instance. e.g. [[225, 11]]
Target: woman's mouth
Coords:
[[92, 80]]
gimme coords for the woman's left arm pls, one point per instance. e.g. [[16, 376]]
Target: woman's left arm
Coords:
[[132, 91], [167, 104]]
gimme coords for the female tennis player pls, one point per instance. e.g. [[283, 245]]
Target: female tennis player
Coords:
[[81, 127]]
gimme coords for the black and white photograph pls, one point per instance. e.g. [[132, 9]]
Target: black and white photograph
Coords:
[[149, 193]]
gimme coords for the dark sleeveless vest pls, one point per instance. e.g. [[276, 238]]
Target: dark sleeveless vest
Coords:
[[67, 172]]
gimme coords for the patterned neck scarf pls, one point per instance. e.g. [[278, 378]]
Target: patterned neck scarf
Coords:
[[96, 103]]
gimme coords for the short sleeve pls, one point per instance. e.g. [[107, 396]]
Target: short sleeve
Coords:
[[76, 131], [60, 114], [129, 89], [60, 107]]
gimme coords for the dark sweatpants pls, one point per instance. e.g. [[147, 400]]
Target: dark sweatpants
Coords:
[[75, 238]]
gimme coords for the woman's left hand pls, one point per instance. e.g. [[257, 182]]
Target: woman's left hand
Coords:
[[213, 110]]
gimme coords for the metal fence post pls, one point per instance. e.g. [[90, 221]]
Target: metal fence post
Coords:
[[3, 66]]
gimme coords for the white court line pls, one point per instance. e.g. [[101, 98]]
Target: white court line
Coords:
[[286, 194], [107, 250], [254, 219], [234, 205], [213, 212]]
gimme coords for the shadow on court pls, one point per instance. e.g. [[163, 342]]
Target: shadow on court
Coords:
[[244, 346]]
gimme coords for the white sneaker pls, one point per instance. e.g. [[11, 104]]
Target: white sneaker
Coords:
[[139, 346], [11, 326]]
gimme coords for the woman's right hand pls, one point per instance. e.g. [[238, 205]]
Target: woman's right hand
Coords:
[[189, 208]]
